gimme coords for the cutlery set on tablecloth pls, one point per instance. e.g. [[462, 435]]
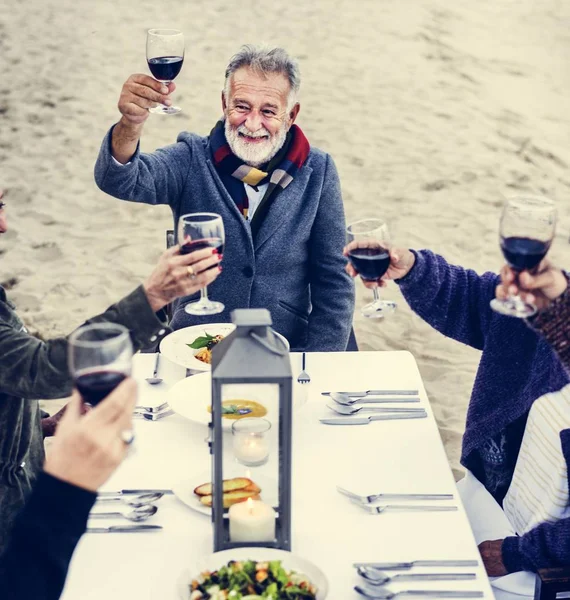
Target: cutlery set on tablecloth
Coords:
[[362, 408], [138, 507], [374, 578]]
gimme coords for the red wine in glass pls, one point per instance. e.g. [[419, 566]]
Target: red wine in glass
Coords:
[[524, 254], [97, 384], [164, 55], [371, 263], [526, 232], [165, 68], [197, 231], [370, 257]]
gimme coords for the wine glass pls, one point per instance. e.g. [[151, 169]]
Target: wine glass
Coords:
[[197, 231], [99, 357], [527, 229], [371, 259], [165, 55]]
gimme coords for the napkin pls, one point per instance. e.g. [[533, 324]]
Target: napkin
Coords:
[[489, 522]]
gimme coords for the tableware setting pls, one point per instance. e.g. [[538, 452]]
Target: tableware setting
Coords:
[[376, 577], [391, 496], [366, 420], [176, 346], [124, 529], [137, 514], [136, 501], [277, 568]]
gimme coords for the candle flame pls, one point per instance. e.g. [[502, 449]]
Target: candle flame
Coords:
[[248, 473], [249, 503]]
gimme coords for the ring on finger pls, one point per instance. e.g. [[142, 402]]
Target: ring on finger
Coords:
[[191, 272], [128, 436]]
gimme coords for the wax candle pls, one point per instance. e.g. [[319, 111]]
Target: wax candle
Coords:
[[251, 449], [252, 521]]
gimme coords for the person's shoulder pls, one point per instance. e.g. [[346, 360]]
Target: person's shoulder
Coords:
[[319, 160], [195, 141]]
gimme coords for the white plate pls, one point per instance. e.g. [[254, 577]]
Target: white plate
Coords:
[[290, 561], [175, 345], [184, 490], [191, 398]]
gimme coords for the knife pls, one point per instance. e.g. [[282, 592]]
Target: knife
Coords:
[[394, 566], [124, 528], [378, 393], [368, 419], [128, 492]]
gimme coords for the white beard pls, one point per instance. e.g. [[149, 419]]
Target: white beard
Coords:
[[260, 152]]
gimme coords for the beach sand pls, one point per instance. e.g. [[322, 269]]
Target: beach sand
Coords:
[[432, 110]]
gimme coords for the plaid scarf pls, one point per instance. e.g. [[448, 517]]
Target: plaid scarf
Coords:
[[278, 173]]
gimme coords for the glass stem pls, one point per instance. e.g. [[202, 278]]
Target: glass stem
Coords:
[[376, 294], [204, 295]]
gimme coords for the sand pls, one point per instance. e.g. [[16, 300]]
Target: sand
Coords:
[[432, 110]]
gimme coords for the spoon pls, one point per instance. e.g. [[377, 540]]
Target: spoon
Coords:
[[341, 409], [134, 501], [375, 577], [345, 399], [138, 514], [155, 379]]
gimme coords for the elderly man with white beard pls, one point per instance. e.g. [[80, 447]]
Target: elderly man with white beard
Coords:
[[279, 198]]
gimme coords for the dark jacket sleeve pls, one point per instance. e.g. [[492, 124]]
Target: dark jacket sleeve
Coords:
[[44, 537], [32, 368], [453, 300], [155, 178], [553, 324], [332, 289], [545, 546]]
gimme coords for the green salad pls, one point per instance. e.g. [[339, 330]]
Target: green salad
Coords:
[[251, 580]]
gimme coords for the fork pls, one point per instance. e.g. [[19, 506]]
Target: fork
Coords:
[[388, 595], [154, 416], [375, 497], [303, 375], [152, 409]]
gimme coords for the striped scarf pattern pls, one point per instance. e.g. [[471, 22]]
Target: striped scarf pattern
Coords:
[[278, 173]]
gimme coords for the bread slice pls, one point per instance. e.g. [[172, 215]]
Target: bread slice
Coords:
[[229, 485], [232, 498]]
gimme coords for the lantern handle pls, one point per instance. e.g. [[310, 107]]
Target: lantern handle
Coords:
[[264, 343]]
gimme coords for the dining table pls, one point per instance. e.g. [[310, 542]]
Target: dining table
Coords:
[[328, 529]]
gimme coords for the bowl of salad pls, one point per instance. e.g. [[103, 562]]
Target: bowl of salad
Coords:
[[253, 574]]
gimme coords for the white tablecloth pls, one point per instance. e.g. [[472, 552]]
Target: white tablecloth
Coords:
[[398, 456]]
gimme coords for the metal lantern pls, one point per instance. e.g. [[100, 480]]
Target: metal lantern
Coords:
[[251, 435]]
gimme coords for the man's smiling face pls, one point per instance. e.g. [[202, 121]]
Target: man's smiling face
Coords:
[[257, 119]]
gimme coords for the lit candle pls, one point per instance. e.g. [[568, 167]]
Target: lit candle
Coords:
[[252, 521], [251, 449]]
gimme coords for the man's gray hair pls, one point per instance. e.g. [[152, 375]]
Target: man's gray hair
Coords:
[[264, 59]]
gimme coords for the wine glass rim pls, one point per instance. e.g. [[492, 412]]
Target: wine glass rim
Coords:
[[164, 32], [75, 337], [527, 199], [264, 423], [200, 217], [378, 224]]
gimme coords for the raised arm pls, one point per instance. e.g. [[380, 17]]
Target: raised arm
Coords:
[[332, 290], [548, 291], [121, 169]]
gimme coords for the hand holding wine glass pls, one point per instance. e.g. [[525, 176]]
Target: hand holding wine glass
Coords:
[[165, 55], [368, 251], [197, 231], [539, 289], [526, 231]]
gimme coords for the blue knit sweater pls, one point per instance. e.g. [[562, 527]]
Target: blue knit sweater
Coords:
[[517, 366]]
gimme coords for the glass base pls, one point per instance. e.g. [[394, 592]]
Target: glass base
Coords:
[[204, 307], [513, 307], [165, 110], [378, 309]]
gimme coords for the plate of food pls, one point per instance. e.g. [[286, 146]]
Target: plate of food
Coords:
[[192, 398], [253, 574], [192, 346], [196, 491]]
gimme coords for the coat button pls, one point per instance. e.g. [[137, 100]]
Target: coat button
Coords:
[[247, 271]]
